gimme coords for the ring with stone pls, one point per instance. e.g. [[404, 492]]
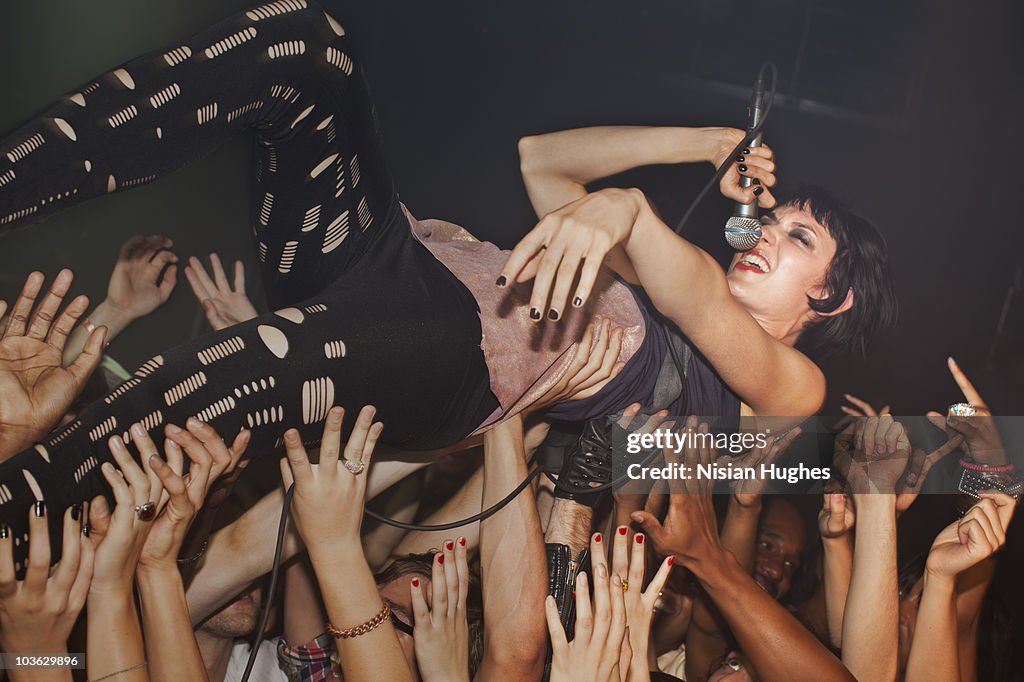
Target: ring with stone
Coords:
[[146, 511], [962, 410], [355, 466]]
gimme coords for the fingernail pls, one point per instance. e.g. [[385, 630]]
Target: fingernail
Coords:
[[501, 281], [671, 560], [5, 531], [574, 595], [194, 423], [577, 302], [40, 508], [173, 429], [746, 150], [639, 539], [743, 168], [758, 191], [440, 558], [138, 430], [755, 181], [597, 537], [552, 314], [85, 530], [415, 582], [952, 360], [534, 313], [462, 542], [155, 462], [622, 530], [76, 512], [449, 545], [741, 158]]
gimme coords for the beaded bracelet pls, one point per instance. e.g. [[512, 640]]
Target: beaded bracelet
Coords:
[[986, 468], [363, 628]]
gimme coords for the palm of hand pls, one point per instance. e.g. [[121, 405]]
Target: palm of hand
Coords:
[[35, 390]]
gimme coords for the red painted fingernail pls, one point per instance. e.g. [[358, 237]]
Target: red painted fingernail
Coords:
[[671, 560], [449, 546], [639, 539], [622, 530], [462, 542], [597, 538], [440, 558], [415, 582], [574, 594]]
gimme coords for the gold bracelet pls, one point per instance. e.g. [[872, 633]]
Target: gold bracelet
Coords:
[[118, 672], [362, 629]]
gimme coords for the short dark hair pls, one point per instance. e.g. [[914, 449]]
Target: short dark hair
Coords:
[[860, 263], [422, 565]]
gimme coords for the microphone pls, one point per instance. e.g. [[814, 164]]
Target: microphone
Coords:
[[743, 229]]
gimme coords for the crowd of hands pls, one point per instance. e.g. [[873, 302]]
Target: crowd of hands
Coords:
[[668, 572]]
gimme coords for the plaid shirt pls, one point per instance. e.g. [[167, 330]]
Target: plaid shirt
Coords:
[[315, 661]]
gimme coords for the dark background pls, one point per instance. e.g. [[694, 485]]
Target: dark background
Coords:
[[910, 111]]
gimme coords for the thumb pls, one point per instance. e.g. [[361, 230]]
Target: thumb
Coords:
[[649, 522]]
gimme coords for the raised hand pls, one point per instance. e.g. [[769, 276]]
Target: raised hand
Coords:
[[35, 390], [628, 563], [599, 651], [873, 454], [757, 163], [337, 483], [223, 304], [183, 496], [973, 538], [836, 518], [690, 529], [595, 362], [37, 613], [747, 491], [136, 287], [441, 629], [980, 436]]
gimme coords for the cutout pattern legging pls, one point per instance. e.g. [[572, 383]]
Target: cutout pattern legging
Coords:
[[369, 311]]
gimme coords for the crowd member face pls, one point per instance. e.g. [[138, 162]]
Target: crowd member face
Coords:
[[396, 594], [672, 613], [781, 539], [773, 280], [238, 619], [732, 669], [909, 604]]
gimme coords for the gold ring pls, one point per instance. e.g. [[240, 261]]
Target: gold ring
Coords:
[[625, 585]]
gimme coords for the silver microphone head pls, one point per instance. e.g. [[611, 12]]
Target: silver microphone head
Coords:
[[742, 233]]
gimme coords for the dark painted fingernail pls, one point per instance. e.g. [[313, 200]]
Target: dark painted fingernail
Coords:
[[76, 512], [552, 314], [741, 158], [639, 539], [758, 191], [449, 546], [40, 508], [755, 181], [440, 558], [5, 531], [577, 302], [622, 530], [534, 313], [501, 281], [85, 530], [746, 150], [743, 168], [462, 542]]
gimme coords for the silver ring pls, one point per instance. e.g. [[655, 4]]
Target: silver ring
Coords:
[[355, 466], [962, 410], [146, 511]]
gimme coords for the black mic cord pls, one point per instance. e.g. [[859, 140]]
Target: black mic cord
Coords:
[[751, 134], [498, 506]]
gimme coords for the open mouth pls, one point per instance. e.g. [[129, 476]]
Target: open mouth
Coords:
[[753, 261], [767, 585]]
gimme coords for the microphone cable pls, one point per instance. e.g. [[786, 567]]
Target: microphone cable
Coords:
[[501, 504]]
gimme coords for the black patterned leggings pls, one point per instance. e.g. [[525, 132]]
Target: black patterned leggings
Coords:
[[372, 316]]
